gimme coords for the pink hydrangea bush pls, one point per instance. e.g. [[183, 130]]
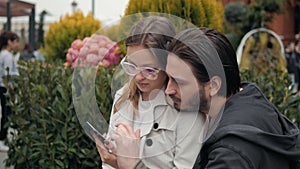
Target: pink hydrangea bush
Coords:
[[93, 51]]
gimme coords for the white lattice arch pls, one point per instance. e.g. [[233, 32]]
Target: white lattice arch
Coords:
[[239, 51]]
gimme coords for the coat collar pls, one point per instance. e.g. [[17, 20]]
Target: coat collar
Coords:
[[159, 112]]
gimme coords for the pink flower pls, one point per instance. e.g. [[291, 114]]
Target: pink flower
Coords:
[[77, 44], [93, 51]]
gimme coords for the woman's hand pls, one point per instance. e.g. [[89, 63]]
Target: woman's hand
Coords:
[[106, 156], [127, 145]]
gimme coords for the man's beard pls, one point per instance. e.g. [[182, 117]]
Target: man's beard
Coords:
[[194, 104]]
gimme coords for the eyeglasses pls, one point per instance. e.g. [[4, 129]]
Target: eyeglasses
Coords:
[[132, 70]]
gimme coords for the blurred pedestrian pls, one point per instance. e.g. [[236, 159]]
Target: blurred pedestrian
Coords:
[[9, 42], [297, 55], [290, 56], [38, 55], [27, 53]]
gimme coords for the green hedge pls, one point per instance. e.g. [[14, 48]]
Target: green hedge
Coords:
[[49, 134]]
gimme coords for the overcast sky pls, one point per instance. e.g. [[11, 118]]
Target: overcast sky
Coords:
[[105, 10]]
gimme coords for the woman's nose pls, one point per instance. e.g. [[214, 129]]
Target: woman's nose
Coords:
[[140, 76]]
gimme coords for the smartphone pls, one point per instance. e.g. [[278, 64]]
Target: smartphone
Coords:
[[93, 131]]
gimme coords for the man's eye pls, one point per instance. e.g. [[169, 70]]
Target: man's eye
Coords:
[[180, 83]]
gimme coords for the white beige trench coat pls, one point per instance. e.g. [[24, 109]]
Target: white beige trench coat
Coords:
[[169, 139]]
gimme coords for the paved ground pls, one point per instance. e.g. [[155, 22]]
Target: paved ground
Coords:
[[3, 156]]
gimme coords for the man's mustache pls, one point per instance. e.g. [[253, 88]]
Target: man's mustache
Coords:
[[175, 99]]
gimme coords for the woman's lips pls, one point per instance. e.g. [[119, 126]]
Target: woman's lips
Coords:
[[143, 84]]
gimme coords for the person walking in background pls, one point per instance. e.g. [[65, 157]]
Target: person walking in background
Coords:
[[166, 138], [38, 55], [291, 59], [27, 53], [297, 56], [9, 42]]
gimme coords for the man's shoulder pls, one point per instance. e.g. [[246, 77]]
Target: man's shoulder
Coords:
[[232, 148]]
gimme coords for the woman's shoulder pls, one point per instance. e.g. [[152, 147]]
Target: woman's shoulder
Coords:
[[6, 56], [5, 53], [120, 92]]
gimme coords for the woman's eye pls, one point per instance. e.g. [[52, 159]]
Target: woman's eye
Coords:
[[132, 68], [150, 70]]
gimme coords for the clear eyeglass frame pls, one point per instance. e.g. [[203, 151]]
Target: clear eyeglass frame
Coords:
[[132, 70]]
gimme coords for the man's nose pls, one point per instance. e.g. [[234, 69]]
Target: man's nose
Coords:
[[171, 86]]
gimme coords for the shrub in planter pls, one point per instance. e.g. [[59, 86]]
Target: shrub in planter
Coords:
[[262, 52], [48, 132]]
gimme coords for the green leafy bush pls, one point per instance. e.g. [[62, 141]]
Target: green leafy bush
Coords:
[[277, 88], [48, 131], [207, 13], [61, 34], [262, 52], [235, 15], [263, 62]]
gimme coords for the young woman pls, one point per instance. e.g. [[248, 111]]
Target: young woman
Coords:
[[142, 103], [9, 42]]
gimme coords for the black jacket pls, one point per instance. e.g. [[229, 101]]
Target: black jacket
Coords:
[[252, 134]]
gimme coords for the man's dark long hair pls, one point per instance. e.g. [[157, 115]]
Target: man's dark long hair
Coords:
[[210, 54]]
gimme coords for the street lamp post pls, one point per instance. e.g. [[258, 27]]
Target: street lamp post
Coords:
[[74, 6], [8, 15], [93, 7]]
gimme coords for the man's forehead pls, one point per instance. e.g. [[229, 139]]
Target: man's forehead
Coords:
[[178, 68]]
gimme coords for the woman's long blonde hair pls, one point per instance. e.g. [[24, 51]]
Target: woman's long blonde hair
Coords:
[[153, 33]]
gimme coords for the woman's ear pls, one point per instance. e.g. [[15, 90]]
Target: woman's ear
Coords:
[[215, 85]]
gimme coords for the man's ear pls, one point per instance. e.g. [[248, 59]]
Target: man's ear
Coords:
[[215, 85]]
